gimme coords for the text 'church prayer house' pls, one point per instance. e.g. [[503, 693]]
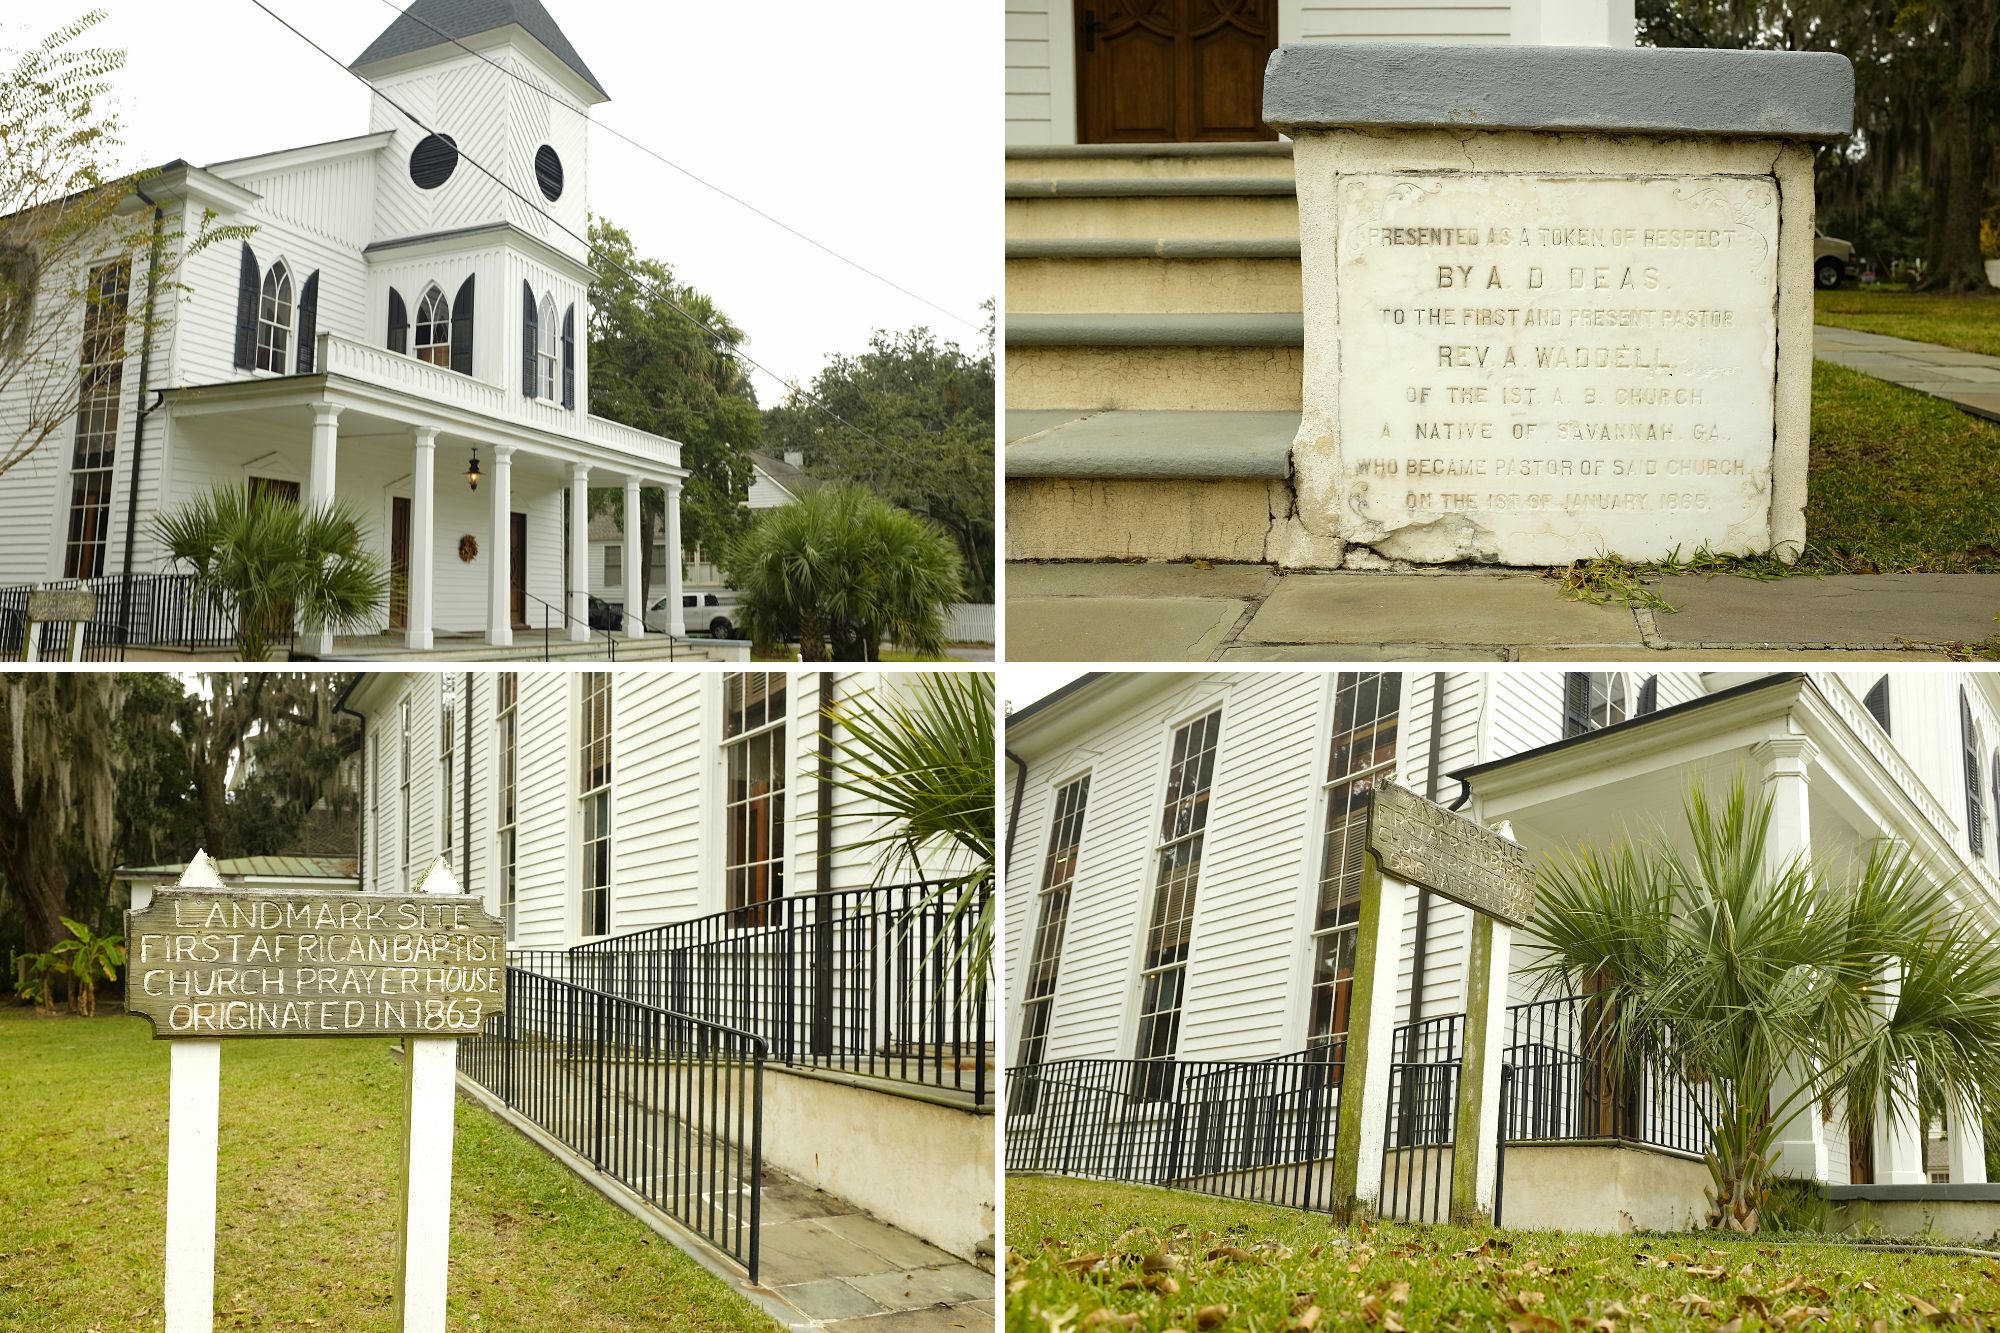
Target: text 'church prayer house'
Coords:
[[410, 314], [1186, 876]]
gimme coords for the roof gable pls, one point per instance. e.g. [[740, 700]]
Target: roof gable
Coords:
[[429, 23]]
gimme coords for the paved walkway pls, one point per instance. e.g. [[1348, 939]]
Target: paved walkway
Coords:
[[1242, 613], [1969, 379]]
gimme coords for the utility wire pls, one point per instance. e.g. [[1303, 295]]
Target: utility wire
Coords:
[[659, 293], [705, 184]]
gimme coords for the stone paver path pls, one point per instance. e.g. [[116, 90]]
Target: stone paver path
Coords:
[[1238, 613], [1969, 379]]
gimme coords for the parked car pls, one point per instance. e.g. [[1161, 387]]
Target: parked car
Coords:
[[1833, 260], [715, 612], [605, 616]]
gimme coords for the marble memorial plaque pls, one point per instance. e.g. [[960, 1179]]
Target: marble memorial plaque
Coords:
[[228, 963], [1422, 843], [1536, 369]]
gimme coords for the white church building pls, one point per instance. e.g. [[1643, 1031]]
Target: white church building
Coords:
[[1184, 869], [403, 332]]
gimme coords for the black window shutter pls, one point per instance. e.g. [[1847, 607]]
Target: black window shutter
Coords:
[[1576, 703], [1974, 811], [569, 358], [1649, 696], [1877, 703], [461, 330], [1993, 775], [308, 325], [249, 285], [399, 323], [528, 331]]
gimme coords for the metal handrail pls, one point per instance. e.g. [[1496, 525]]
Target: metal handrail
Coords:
[[610, 643]]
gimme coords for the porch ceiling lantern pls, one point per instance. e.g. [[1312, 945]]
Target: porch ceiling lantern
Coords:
[[472, 473]]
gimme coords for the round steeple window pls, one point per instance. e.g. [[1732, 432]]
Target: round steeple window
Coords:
[[433, 161], [549, 173]]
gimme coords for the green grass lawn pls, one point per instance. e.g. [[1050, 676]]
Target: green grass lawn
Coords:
[[306, 1237], [1158, 1259], [1969, 323]]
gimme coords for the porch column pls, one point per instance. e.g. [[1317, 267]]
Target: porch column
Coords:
[[635, 566], [1899, 1128], [318, 639], [423, 506], [579, 551], [1786, 763], [1965, 1146], [500, 582], [676, 614]]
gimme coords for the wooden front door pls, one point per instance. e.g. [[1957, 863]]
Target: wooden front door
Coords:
[[517, 571], [399, 562], [1172, 71]]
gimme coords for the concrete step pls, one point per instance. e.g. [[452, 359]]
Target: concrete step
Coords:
[[1172, 485], [1229, 362], [529, 648], [1203, 208], [1154, 277], [1167, 161]]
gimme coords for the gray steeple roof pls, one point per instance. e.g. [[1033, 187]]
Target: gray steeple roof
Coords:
[[429, 23]]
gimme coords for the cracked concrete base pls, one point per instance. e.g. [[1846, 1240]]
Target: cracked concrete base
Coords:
[[1249, 612]]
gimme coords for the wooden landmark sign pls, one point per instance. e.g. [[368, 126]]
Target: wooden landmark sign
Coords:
[[207, 962], [1418, 844]]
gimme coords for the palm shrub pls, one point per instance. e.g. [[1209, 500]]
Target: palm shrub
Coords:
[[1782, 986], [922, 762], [840, 572], [86, 956], [272, 560]]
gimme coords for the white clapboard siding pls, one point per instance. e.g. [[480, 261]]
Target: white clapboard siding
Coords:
[[1402, 21], [1030, 77], [662, 730], [205, 341], [334, 200], [545, 801]]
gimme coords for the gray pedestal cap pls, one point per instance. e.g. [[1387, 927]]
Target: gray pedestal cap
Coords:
[[1652, 90]]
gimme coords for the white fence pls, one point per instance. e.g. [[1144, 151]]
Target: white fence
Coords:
[[970, 622]]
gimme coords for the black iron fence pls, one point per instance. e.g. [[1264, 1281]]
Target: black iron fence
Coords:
[[1424, 1064], [1568, 1084], [870, 981], [668, 1105], [1261, 1130], [161, 611]]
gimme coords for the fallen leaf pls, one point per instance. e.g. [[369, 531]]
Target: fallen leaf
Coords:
[[1231, 1254], [1208, 1316], [1083, 1263], [1099, 1317], [1399, 1294], [1308, 1319]]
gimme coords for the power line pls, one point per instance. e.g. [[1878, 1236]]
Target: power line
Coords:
[[731, 348], [705, 184]]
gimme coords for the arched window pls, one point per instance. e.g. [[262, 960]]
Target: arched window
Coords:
[[550, 349], [1975, 802], [274, 319], [434, 328], [1877, 703], [1593, 700]]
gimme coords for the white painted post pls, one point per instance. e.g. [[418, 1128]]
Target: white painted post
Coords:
[[676, 613], [32, 640], [194, 1098], [319, 495], [1575, 22], [1478, 1124], [423, 544], [1899, 1128], [499, 583], [423, 1233], [579, 551], [1965, 1148], [1801, 1146], [1370, 1048], [635, 567]]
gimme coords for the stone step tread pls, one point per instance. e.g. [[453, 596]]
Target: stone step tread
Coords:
[[1120, 187], [1150, 446], [1141, 247], [1157, 330]]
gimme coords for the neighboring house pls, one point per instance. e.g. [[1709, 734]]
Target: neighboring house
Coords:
[[773, 482], [271, 874], [671, 839], [1165, 71], [1184, 874], [397, 323]]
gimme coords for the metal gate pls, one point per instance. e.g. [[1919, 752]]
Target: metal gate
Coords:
[[1423, 1111]]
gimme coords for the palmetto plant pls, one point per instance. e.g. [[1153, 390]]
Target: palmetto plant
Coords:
[[842, 572], [924, 767], [271, 560], [1787, 988]]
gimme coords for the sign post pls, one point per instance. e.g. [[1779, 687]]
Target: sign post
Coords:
[[1415, 843], [207, 962], [75, 607]]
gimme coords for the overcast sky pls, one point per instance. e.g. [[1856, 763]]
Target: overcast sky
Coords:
[[874, 128]]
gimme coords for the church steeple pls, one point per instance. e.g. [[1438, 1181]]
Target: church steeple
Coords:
[[429, 24]]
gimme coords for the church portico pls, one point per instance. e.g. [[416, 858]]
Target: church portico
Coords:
[[400, 442]]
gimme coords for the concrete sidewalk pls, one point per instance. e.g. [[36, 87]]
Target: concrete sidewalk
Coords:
[[1970, 380], [1245, 613]]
